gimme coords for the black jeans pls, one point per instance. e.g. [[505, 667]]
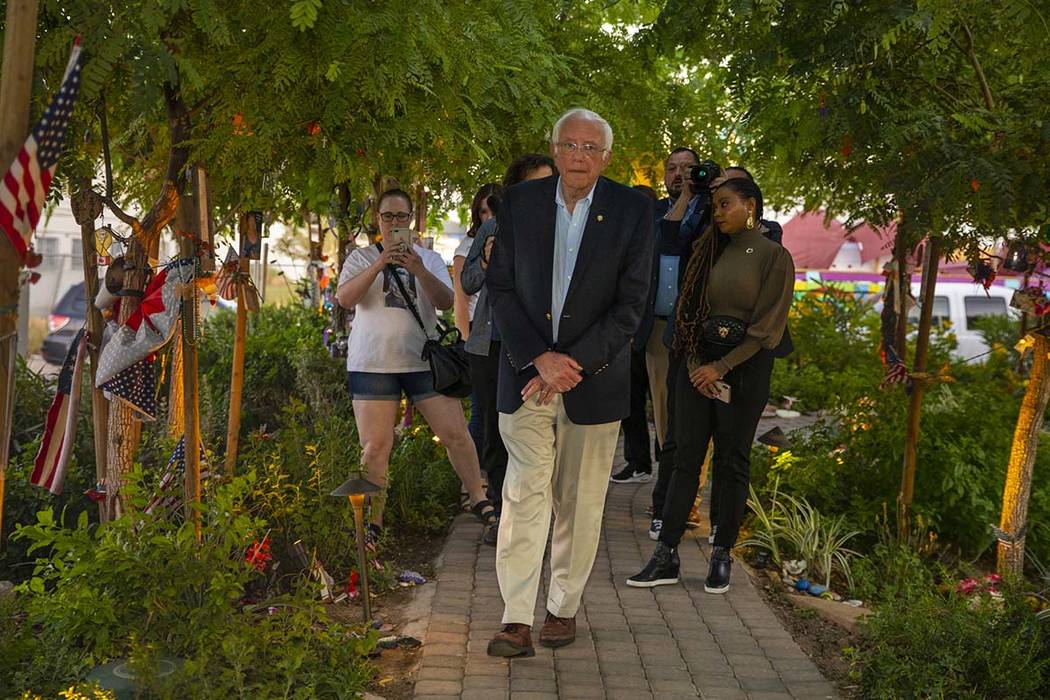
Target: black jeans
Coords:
[[697, 420], [667, 450], [484, 374], [636, 426]]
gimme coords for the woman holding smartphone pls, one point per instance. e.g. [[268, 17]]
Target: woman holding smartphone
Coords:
[[384, 352], [731, 314]]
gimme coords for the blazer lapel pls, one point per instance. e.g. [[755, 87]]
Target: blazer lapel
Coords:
[[598, 222], [546, 221]]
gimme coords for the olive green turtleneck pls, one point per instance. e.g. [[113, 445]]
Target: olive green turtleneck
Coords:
[[752, 280]]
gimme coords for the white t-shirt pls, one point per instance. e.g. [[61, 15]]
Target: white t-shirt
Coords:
[[385, 337], [462, 250]]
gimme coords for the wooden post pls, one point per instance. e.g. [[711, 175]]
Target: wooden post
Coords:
[[233, 426], [421, 209], [919, 381], [900, 256], [16, 87], [186, 220], [1013, 522], [87, 207]]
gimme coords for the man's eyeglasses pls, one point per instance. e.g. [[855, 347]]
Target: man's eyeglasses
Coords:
[[589, 150], [401, 216]]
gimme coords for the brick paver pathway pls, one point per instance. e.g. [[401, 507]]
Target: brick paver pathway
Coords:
[[663, 643]]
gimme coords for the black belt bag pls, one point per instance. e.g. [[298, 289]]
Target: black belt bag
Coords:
[[448, 360], [720, 334]]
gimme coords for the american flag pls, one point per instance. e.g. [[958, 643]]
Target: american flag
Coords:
[[49, 470], [170, 493], [27, 181], [137, 387]]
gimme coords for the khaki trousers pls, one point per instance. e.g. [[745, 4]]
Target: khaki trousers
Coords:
[[656, 364], [553, 464]]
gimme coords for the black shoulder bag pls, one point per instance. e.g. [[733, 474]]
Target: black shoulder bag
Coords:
[[447, 358]]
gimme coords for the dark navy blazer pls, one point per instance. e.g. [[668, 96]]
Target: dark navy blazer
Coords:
[[605, 300]]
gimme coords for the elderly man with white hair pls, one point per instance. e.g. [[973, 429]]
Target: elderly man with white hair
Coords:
[[568, 281]]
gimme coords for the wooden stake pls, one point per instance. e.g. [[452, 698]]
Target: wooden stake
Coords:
[[233, 426], [919, 381], [1014, 520], [15, 91], [87, 207]]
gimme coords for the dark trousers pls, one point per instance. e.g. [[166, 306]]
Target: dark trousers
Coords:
[[698, 419], [636, 426], [667, 450], [484, 373]]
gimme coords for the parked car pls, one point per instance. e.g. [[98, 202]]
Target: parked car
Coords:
[[66, 318], [960, 304]]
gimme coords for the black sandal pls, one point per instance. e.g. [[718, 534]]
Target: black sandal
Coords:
[[484, 511], [464, 501]]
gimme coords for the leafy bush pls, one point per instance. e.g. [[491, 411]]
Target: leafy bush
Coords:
[[836, 354], [423, 487], [930, 646], [143, 587], [792, 529], [284, 356], [850, 462], [22, 500]]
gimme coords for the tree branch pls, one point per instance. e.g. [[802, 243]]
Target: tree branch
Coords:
[[972, 55]]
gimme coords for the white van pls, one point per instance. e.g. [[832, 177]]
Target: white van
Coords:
[[960, 304]]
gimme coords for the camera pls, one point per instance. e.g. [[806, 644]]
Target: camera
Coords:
[[701, 176]]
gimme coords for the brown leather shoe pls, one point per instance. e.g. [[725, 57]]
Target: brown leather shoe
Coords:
[[512, 640], [558, 631]]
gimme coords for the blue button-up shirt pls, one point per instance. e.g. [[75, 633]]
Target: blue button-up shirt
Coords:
[[568, 234], [667, 280]]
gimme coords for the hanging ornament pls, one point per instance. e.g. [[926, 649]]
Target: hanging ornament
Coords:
[[975, 184], [983, 272], [1017, 257], [823, 110]]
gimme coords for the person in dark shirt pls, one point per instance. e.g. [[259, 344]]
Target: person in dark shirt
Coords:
[[729, 319]]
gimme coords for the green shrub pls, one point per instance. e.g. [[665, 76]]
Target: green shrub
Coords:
[[929, 646], [790, 528], [22, 500], [143, 587], [284, 356], [423, 487], [850, 463]]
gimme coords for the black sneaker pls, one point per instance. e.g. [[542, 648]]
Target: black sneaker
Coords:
[[718, 576], [662, 569], [631, 475], [655, 525], [491, 534]]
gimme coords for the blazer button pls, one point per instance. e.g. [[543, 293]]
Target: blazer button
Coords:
[[548, 316]]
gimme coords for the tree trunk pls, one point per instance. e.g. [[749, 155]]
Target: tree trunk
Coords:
[[123, 431], [1013, 522], [16, 87], [919, 380], [900, 255], [87, 207]]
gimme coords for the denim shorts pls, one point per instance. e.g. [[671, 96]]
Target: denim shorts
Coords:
[[380, 386]]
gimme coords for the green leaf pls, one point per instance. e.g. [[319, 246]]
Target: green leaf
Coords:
[[304, 14]]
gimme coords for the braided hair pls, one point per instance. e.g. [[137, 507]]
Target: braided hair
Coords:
[[693, 305]]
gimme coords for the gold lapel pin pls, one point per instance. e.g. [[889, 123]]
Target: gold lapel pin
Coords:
[[601, 218]]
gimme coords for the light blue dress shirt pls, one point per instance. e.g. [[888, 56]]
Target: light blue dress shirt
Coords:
[[568, 234], [667, 279]]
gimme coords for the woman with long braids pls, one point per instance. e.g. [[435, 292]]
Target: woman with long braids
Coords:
[[731, 315]]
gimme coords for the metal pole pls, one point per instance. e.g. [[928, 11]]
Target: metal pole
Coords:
[[357, 501]]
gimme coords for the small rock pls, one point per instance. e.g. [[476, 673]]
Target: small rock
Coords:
[[7, 589]]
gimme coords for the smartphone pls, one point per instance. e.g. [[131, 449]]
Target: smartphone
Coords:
[[404, 236], [724, 393]]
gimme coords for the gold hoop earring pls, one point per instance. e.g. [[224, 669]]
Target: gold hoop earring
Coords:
[[750, 221]]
